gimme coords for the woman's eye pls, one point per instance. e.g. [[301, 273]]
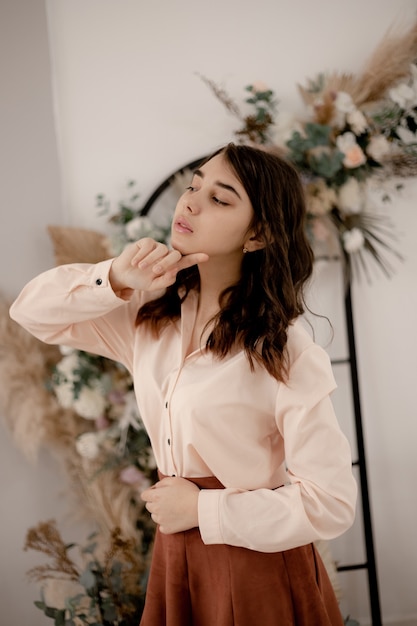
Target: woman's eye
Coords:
[[217, 201], [190, 188]]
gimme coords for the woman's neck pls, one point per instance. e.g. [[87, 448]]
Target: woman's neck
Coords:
[[215, 277]]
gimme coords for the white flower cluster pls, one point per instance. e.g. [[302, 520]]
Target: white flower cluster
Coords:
[[89, 401], [104, 396], [405, 96], [88, 445], [362, 145], [137, 228], [378, 146]]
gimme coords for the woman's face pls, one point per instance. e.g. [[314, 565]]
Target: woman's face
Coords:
[[214, 215]]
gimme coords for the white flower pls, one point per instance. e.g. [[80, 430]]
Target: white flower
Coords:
[[357, 121], [343, 105], [64, 394], [284, 128], [140, 226], [343, 102], [345, 141], [66, 350], [88, 445], [67, 365], [90, 403], [350, 197], [353, 240], [378, 147], [403, 95], [406, 135]]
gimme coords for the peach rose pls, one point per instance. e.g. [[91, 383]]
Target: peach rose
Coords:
[[354, 155]]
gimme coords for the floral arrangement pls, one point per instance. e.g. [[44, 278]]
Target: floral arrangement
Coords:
[[101, 391], [357, 137]]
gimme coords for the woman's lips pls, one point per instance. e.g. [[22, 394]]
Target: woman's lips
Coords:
[[182, 226]]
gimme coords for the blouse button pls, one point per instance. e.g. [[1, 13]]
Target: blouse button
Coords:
[[169, 442], [99, 281], [166, 405]]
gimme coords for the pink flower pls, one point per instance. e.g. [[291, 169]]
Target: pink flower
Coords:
[[116, 397], [131, 475], [102, 422], [321, 231], [259, 86], [354, 155]]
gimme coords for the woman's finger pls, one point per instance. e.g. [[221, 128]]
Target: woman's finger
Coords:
[[192, 259], [180, 262], [144, 247]]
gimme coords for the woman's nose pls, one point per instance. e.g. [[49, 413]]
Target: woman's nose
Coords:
[[194, 204]]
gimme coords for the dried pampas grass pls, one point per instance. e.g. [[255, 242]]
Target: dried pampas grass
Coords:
[[105, 497], [24, 400], [36, 420], [78, 245], [389, 63]]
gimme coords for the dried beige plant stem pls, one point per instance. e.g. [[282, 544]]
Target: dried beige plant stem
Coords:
[[389, 63], [45, 538]]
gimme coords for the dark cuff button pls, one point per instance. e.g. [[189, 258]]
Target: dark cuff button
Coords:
[[99, 281]]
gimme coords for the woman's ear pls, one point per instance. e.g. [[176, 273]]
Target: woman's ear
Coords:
[[255, 242]]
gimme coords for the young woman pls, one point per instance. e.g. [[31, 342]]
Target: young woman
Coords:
[[233, 391]]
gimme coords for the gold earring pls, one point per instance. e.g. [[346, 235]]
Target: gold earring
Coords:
[[245, 250]]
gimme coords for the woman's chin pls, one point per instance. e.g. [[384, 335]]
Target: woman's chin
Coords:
[[179, 245]]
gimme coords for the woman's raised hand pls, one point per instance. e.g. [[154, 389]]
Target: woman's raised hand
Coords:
[[148, 265]]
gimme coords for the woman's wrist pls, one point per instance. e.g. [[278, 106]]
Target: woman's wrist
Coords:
[[120, 289]]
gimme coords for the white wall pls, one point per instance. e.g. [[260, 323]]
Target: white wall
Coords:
[[130, 105], [30, 197]]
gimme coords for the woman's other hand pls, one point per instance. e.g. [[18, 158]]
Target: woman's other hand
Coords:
[[173, 504]]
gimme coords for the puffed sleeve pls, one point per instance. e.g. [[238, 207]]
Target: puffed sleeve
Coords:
[[75, 305], [318, 500]]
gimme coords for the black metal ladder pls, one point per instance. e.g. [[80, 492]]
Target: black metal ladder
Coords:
[[360, 462]]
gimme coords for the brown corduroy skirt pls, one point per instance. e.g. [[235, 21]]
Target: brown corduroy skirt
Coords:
[[193, 584]]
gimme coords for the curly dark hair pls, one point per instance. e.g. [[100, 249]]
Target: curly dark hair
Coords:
[[256, 311]]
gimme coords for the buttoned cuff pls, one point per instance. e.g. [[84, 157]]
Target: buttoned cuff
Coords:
[[99, 280], [209, 515]]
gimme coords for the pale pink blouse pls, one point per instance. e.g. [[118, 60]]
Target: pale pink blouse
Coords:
[[277, 448]]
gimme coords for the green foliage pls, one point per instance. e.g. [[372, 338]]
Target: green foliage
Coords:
[[327, 164], [89, 369], [111, 587], [351, 622], [314, 135], [257, 125], [127, 209]]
